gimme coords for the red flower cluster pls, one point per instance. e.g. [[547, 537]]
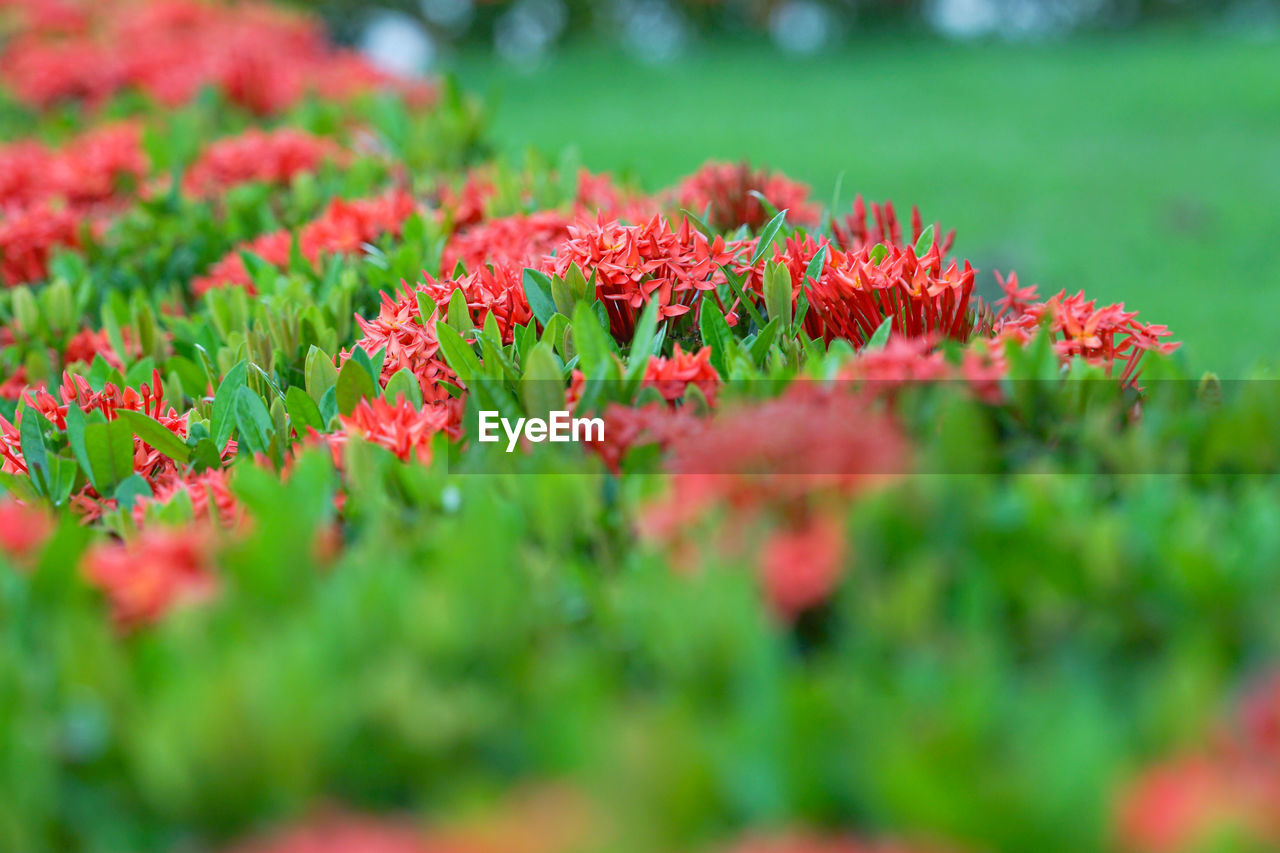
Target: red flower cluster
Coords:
[[517, 241], [857, 291], [904, 361], [1104, 337], [793, 459], [274, 156], [855, 230], [342, 229], [23, 530], [158, 470], [147, 576], [497, 290], [256, 55], [209, 493], [634, 264], [93, 168], [28, 238], [673, 376], [1234, 784], [408, 342], [728, 193], [401, 428]]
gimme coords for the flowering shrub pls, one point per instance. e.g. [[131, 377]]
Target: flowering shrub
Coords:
[[861, 559]]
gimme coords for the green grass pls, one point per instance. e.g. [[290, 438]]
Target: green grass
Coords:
[[1145, 169]]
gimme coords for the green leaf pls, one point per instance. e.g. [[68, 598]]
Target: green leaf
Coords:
[[402, 384], [542, 385], [925, 242], [354, 384], [537, 289], [593, 343], [253, 420], [458, 314], [878, 253], [303, 411], [321, 375], [458, 353], [717, 335], [109, 447], [767, 235], [130, 489], [155, 434], [880, 336], [222, 420], [764, 340], [642, 343], [31, 436], [777, 292], [75, 435]]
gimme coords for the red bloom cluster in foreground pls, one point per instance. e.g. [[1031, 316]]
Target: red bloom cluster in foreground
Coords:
[[496, 291], [274, 156], [402, 428], [147, 576], [729, 194], [780, 465], [1233, 785], [256, 55], [341, 229], [23, 529], [408, 342]]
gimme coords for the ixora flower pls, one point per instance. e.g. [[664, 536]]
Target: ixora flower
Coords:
[[260, 57], [96, 167], [28, 238], [517, 241], [402, 428], [786, 466], [274, 156], [730, 194], [23, 529], [209, 494], [145, 577], [342, 229], [1229, 788], [408, 342], [1106, 336], [856, 230], [491, 290], [634, 264], [673, 375]]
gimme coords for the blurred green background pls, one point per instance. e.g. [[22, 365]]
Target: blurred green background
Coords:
[[1142, 167]]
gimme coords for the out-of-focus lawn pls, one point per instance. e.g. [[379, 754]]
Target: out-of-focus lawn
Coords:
[[1143, 169]]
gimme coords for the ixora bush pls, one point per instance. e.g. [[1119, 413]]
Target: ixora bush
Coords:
[[861, 561]]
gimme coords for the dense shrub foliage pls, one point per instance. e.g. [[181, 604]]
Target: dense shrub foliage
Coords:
[[864, 559]]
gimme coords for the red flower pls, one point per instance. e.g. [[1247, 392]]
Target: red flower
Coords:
[[728, 191], [343, 228], [147, 576], [498, 291], [28, 238], [404, 430], [1104, 337], [23, 529], [635, 264], [672, 376], [856, 293], [408, 343], [801, 565], [209, 493], [857, 232], [518, 241], [270, 156]]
